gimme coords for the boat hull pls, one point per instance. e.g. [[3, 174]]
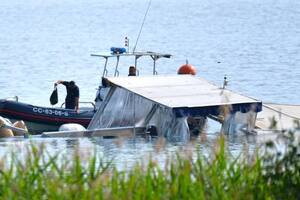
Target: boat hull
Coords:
[[39, 119]]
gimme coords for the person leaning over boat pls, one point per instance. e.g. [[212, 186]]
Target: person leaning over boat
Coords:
[[72, 98]]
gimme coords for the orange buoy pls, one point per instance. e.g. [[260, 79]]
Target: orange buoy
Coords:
[[187, 69]]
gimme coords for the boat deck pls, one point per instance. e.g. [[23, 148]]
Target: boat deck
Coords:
[[284, 115], [104, 132]]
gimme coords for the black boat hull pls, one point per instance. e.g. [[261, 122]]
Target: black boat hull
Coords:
[[39, 119]]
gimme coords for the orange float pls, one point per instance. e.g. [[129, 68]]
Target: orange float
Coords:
[[187, 69]]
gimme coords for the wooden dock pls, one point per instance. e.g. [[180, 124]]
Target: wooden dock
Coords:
[[285, 115]]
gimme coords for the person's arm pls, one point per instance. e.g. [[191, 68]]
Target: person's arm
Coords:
[[58, 82], [61, 82]]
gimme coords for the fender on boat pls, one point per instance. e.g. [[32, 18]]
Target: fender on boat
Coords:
[[4, 132], [71, 127]]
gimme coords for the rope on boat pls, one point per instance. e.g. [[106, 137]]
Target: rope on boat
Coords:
[[142, 26], [280, 112]]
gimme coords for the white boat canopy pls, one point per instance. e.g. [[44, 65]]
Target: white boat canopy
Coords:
[[186, 95]]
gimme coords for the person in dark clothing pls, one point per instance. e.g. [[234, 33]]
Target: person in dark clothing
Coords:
[[132, 71], [72, 98]]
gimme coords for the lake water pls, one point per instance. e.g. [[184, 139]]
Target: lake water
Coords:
[[255, 43]]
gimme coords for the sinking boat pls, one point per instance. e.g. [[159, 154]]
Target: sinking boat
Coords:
[[39, 119], [170, 106]]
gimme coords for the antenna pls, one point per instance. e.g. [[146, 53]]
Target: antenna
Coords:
[[142, 26], [225, 82]]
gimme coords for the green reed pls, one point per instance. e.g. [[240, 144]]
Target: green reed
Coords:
[[40, 175]]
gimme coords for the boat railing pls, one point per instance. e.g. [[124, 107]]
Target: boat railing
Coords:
[[83, 102], [155, 56], [15, 98]]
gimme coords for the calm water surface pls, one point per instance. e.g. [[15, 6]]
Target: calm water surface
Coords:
[[255, 43]]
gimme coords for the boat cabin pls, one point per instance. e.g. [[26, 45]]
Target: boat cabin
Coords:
[[173, 105]]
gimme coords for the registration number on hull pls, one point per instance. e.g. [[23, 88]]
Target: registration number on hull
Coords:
[[48, 111]]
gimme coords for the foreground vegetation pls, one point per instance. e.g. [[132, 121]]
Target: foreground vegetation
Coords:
[[41, 176]]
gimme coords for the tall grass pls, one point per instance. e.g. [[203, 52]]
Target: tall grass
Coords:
[[41, 176]]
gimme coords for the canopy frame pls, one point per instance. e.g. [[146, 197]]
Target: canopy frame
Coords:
[[153, 55]]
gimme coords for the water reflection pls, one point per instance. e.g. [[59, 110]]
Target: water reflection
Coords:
[[126, 152], [72, 143]]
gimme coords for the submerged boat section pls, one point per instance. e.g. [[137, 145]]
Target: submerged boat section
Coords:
[[173, 105]]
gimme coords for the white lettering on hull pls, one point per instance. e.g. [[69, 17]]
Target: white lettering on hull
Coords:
[[51, 112]]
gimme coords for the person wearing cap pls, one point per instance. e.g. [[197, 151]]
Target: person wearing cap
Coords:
[[72, 98]]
